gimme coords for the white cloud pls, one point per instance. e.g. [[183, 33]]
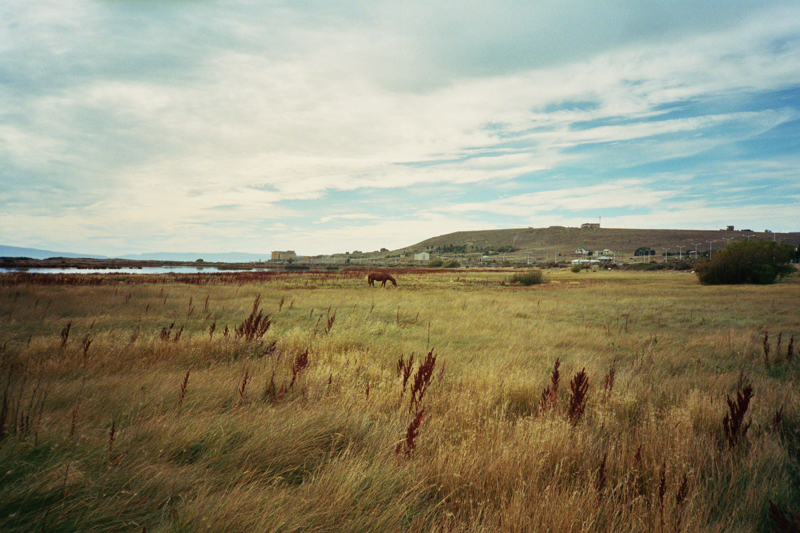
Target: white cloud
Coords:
[[352, 216], [216, 115], [621, 193]]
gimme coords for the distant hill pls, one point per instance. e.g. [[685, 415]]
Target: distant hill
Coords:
[[229, 257], [35, 253], [545, 242]]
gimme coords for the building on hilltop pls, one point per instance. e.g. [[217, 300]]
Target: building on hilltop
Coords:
[[590, 225], [283, 256], [582, 251]]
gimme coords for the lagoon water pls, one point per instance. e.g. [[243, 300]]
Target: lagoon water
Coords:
[[142, 270]]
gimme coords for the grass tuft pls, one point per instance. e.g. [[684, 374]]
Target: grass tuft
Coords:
[[579, 387], [733, 423]]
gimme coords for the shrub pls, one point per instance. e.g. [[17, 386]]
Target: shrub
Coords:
[[576, 268], [758, 262], [531, 277], [453, 263], [435, 263]]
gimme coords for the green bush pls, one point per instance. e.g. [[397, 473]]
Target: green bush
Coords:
[[759, 262], [452, 263], [435, 263], [531, 277], [576, 268]]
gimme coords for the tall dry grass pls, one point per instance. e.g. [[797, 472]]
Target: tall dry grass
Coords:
[[412, 409]]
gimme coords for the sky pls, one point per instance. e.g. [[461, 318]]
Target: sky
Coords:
[[133, 126]]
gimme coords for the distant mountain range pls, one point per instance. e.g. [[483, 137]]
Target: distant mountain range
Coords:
[[230, 257], [34, 253]]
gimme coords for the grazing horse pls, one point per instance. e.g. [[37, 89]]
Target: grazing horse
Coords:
[[380, 276]]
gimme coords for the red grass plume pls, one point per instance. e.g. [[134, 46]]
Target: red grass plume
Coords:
[[299, 364], [65, 334], [404, 368], [243, 388], [577, 402], [184, 385], [409, 444], [422, 379], [733, 422], [550, 394], [254, 326]]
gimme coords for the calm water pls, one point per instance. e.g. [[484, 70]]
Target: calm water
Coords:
[[142, 270]]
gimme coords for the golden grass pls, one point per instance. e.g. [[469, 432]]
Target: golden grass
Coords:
[[329, 451]]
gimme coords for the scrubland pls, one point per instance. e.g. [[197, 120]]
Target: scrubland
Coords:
[[457, 401]]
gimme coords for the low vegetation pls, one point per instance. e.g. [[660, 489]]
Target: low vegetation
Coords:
[[436, 262], [528, 278], [459, 402], [758, 262]]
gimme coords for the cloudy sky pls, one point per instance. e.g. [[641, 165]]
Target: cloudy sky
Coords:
[[130, 126]]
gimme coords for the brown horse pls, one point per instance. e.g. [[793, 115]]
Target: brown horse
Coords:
[[380, 276]]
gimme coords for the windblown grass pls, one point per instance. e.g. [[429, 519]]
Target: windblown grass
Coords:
[[419, 408]]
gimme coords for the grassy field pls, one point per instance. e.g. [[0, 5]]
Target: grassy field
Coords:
[[457, 401]]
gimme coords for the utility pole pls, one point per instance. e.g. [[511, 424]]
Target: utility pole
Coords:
[[680, 252], [666, 253], [696, 248], [709, 247], [728, 240]]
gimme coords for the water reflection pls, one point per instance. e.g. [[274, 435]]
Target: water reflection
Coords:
[[135, 270]]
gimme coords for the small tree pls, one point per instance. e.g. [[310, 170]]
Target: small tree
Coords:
[[759, 262], [435, 263]]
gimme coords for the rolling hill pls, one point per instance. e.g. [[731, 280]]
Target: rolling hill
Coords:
[[543, 243]]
